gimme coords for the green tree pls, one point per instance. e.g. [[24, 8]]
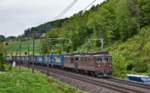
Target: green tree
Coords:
[[144, 12], [2, 38], [2, 56]]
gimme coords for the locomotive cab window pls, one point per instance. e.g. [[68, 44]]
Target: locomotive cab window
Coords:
[[110, 59], [105, 59], [98, 59]]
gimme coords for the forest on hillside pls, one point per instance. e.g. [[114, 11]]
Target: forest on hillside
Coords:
[[120, 23], [113, 20]]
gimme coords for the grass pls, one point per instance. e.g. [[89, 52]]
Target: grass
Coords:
[[24, 81], [13, 46]]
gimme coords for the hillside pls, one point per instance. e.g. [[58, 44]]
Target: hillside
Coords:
[[43, 28], [123, 24], [113, 20], [14, 47], [132, 56]]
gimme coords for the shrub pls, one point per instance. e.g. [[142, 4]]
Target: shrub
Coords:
[[2, 68], [141, 67], [119, 65], [130, 67]]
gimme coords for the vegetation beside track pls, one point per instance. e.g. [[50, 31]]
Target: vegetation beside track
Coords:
[[13, 46], [132, 56], [24, 81], [2, 54]]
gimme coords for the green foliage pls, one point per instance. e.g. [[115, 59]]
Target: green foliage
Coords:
[[24, 81], [2, 68], [141, 67], [117, 21], [113, 20], [2, 52], [11, 38], [119, 65], [2, 38], [145, 12], [135, 53], [13, 47], [43, 28]]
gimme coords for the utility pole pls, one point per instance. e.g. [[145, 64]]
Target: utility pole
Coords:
[[3, 54], [33, 47], [6, 44], [28, 51], [20, 46], [46, 54], [102, 43], [16, 56], [47, 59]]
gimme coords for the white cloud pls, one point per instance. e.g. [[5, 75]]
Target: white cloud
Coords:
[[18, 15]]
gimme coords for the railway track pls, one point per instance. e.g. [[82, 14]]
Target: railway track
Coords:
[[131, 83], [112, 84]]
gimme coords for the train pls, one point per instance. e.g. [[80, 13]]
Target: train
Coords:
[[97, 64], [139, 78]]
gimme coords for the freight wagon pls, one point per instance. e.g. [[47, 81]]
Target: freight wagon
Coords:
[[98, 64]]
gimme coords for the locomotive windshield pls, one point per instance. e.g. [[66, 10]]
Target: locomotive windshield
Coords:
[[107, 59], [98, 59], [103, 59]]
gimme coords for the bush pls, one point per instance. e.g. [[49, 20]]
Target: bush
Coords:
[[130, 67], [119, 65], [2, 68], [141, 67]]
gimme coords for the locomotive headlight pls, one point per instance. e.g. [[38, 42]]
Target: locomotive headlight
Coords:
[[99, 65]]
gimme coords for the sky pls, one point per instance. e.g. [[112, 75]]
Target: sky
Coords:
[[18, 15]]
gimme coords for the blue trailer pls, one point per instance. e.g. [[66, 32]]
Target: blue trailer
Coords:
[[39, 59], [56, 60]]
